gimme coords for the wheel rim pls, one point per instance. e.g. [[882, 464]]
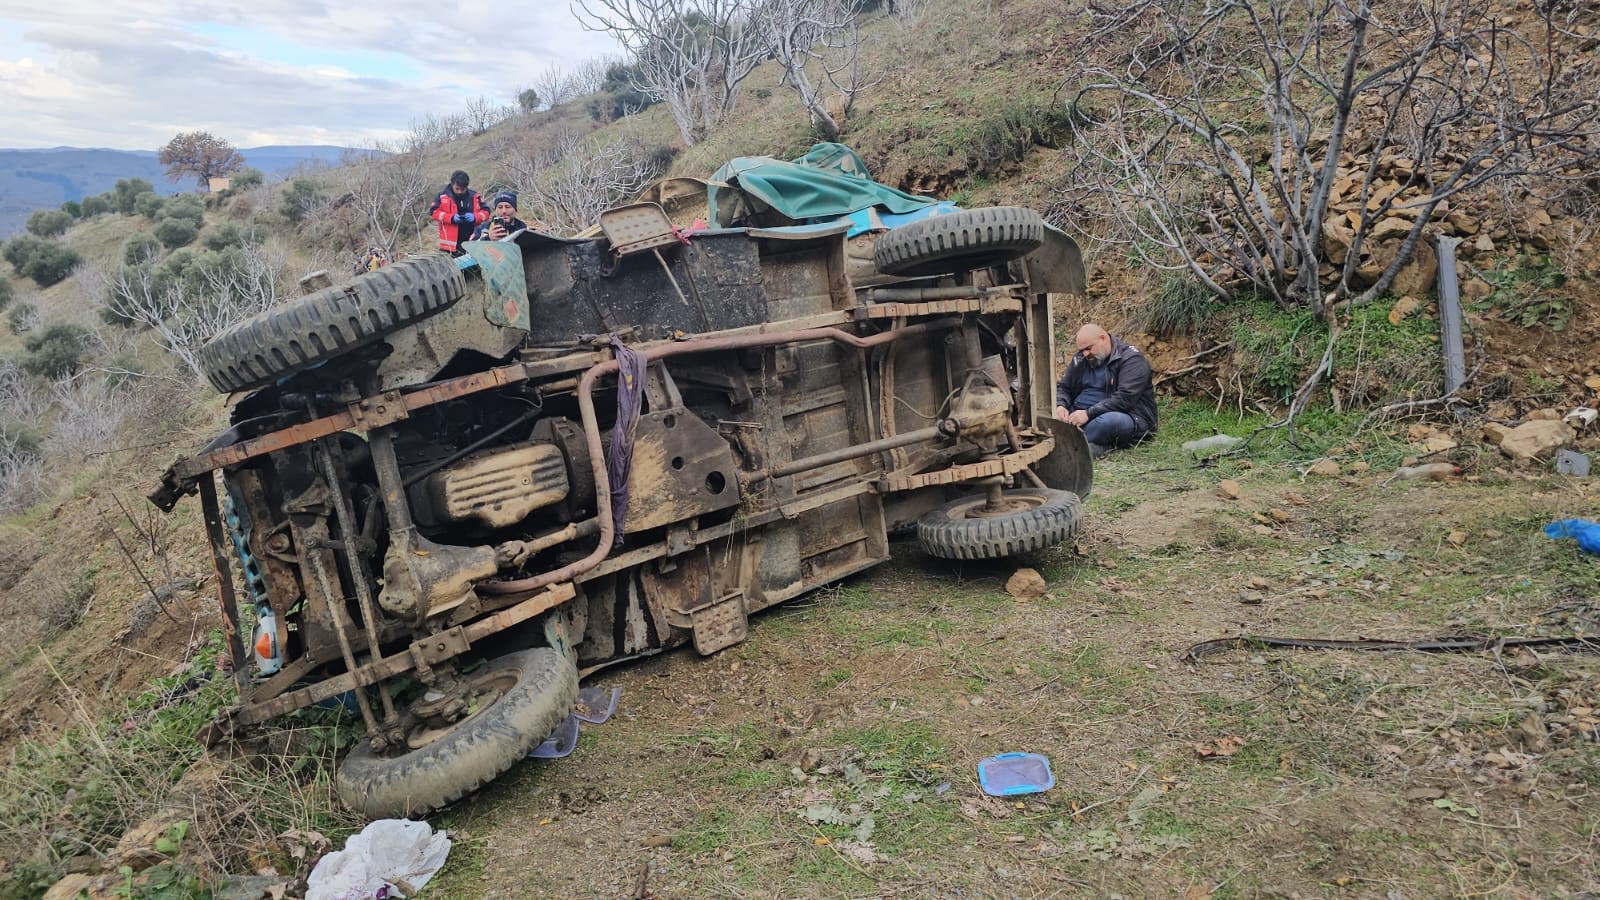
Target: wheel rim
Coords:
[[1009, 505], [482, 692]]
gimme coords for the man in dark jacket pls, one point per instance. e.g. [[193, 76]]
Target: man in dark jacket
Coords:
[[505, 222], [458, 212], [1106, 391]]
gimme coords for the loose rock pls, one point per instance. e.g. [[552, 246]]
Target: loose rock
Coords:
[[1326, 468], [1536, 440], [1228, 489], [1026, 584]]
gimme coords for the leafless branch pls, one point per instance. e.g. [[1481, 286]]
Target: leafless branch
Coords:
[[387, 185], [183, 315], [565, 185], [692, 55], [808, 37], [555, 86], [1301, 148]]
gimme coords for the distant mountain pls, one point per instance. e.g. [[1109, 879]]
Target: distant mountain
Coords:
[[44, 179]]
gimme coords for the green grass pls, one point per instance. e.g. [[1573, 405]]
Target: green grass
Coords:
[[1527, 291], [1373, 360], [1179, 305], [833, 679], [709, 830], [81, 792], [899, 752]]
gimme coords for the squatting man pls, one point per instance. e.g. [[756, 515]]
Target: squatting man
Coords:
[[1106, 391]]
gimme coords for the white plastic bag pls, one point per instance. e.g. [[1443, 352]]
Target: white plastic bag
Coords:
[[389, 858]]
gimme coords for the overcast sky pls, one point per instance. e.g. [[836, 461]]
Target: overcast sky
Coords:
[[130, 74]]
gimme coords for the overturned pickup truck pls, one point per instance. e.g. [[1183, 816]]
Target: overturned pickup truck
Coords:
[[453, 485]]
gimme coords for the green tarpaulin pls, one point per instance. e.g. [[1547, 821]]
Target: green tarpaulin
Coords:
[[826, 183]]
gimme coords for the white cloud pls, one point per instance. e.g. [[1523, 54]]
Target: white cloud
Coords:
[[132, 74]]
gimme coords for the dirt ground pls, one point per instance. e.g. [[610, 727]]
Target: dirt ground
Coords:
[[834, 753]]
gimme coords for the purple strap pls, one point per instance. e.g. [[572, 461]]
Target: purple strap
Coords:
[[630, 402]]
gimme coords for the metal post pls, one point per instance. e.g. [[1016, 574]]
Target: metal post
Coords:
[[1455, 357]]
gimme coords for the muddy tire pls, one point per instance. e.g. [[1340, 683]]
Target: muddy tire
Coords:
[[319, 326], [533, 691], [959, 241], [1031, 519]]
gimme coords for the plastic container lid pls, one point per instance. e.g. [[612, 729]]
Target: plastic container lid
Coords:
[[561, 742], [1009, 774], [594, 706]]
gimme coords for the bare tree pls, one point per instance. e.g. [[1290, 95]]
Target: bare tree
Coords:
[[19, 402], [22, 466], [819, 35], [387, 185], [431, 129], [483, 114], [1242, 140], [692, 55], [568, 183], [590, 75], [23, 474], [555, 86], [89, 410]]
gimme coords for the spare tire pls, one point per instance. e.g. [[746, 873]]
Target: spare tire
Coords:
[[1028, 519], [319, 326], [959, 241]]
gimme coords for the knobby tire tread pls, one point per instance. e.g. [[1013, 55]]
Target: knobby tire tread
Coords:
[[476, 752], [965, 239], [948, 536], [324, 324]]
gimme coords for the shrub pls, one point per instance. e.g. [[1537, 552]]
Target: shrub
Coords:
[[126, 193], [229, 235], [73, 208], [49, 223], [188, 207], [302, 196], [57, 350], [50, 263], [115, 311], [95, 206], [22, 318], [619, 94], [1179, 305], [175, 232], [140, 248], [7, 292], [180, 266], [148, 205], [21, 250], [247, 177]]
